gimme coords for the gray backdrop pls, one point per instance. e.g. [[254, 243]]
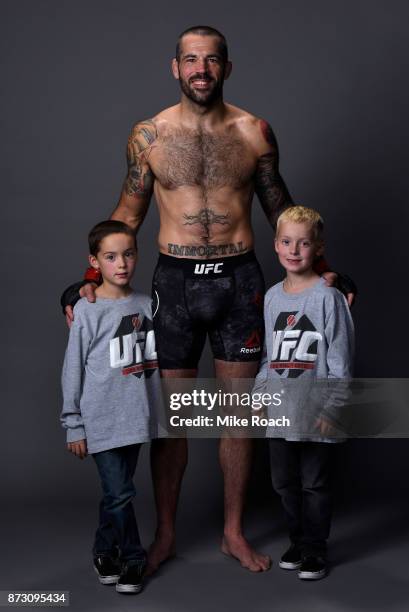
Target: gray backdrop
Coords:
[[330, 77]]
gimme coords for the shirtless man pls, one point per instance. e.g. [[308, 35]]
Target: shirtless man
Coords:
[[203, 159]]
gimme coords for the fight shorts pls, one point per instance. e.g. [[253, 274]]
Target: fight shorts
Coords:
[[219, 297]]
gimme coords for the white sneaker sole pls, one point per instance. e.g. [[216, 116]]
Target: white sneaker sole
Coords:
[[128, 588], [289, 566], [312, 575], [106, 579]]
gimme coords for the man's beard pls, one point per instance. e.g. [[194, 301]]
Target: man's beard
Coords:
[[203, 98]]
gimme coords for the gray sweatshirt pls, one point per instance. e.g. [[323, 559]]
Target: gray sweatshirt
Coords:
[[307, 357], [110, 377]]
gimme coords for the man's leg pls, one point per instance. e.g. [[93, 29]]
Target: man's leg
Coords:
[[235, 461], [168, 463], [179, 344]]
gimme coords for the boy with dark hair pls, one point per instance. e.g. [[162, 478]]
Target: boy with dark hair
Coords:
[[309, 337], [110, 370]]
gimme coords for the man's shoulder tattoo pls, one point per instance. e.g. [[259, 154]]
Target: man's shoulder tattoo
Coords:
[[268, 133], [143, 135]]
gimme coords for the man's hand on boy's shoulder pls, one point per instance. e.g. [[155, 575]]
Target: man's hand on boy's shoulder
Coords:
[[78, 448], [87, 291], [331, 280]]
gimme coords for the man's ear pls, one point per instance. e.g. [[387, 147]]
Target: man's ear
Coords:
[[227, 70], [93, 261], [175, 68]]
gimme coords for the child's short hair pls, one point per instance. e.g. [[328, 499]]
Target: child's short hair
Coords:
[[302, 214], [104, 229]]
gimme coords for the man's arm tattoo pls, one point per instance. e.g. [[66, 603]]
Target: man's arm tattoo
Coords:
[[140, 177], [268, 133], [269, 185]]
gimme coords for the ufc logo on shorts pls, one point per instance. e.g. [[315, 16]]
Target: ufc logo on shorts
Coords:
[[210, 267]]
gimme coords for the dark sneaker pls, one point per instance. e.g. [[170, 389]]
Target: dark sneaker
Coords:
[[291, 559], [108, 569], [312, 568], [130, 580]]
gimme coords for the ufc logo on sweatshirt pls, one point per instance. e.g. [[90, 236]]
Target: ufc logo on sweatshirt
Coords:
[[136, 348], [291, 349], [133, 347]]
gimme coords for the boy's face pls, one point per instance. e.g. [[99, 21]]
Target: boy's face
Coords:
[[116, 259], [297, 247]]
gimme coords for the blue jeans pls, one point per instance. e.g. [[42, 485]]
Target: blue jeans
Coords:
[[117, 524]]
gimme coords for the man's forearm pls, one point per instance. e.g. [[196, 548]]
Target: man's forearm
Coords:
[[272, 192], [129, 215]]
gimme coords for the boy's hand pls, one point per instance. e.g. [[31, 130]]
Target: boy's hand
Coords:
[[260, 412], [87, 291], [331, 280], [325, 426], [78, 448]]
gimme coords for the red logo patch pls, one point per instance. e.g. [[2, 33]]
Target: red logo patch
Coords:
[[136, 323], [253, 341], [290, 320]]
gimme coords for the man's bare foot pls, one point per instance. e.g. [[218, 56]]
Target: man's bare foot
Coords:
[[237, 546], [161, 549]]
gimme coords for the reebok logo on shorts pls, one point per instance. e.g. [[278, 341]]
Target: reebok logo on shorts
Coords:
[[252, 344]]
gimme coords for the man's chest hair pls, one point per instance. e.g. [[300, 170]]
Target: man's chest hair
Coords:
[[185, 157]]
